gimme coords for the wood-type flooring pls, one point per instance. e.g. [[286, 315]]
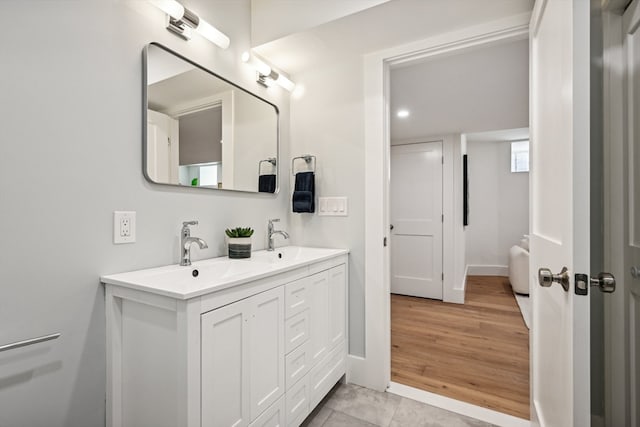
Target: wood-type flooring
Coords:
[[476, 352]]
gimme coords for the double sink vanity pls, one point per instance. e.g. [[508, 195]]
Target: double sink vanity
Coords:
[[226, 342], [221, 342]]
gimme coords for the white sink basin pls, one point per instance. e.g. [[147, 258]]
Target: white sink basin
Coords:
[[219, 273], [288, 254]]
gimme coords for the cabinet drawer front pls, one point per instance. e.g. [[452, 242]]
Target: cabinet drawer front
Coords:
[[297, 403], [274, 416], [296, 297], [323, 377], [296, 331], [297, 364]]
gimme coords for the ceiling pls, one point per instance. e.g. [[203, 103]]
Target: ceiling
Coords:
[[274, 19], [474, 91], [385, 25]]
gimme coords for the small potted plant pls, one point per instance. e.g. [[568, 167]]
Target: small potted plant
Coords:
[[239, 242]]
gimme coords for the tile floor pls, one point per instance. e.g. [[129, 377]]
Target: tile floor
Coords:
[[349, 405]]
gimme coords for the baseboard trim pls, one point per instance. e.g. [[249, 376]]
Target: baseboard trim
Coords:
[[357, 373], [462, 408], [487, 270]]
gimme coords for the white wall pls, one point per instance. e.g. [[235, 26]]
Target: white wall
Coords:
[[498, 204], [327, 122], [253, 140], [71, 154]]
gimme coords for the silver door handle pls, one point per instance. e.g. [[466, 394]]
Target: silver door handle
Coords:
[[635, 272], [31, 341], [605, 281], [546, 278]]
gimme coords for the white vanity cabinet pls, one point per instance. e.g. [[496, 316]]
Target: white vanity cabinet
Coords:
[[261, 352], [250, 362]]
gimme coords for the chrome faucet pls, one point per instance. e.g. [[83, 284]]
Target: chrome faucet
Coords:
[[186, 240], [271, 232]]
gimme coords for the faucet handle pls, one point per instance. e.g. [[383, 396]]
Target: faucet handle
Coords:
[[188, 223], [275, 220]]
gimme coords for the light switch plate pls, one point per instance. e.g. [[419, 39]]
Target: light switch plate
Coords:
[[333, 206], [124, 227]]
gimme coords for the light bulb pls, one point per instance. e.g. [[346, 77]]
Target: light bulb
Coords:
[[212, 34], [259, 66], [170, 7], [285, 83]]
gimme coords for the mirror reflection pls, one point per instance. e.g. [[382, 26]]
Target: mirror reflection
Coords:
[[203, 131]]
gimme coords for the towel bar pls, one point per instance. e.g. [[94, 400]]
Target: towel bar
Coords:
[[31, 341], [308, 158], [271, 160]]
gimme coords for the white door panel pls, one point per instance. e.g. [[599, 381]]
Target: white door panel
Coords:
[[631, 248], [560, 183], [162, 147], [416, 215]]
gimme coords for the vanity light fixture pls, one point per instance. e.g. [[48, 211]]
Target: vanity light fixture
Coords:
[[182, 21], [266, 75]]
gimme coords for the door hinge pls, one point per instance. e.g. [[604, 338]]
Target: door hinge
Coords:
[[443, 277], [442, 217], [384, 242], [443, 160]]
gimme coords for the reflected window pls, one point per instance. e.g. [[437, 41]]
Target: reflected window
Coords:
[[520, 156]]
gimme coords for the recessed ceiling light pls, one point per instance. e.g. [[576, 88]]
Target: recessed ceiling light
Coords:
[[403, 113]]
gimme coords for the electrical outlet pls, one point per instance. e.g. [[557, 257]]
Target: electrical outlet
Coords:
[[124, 227]]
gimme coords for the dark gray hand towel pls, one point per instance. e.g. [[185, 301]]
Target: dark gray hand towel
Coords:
[[267, 183], [304, 192]]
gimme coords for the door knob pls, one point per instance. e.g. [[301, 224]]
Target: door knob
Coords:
[[391, 227], [635, 272], [605, 281], [546, 278]]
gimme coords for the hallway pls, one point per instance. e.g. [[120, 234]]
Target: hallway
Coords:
[[477, 352]]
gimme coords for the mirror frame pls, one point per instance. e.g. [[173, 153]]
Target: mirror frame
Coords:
[[145, 107]]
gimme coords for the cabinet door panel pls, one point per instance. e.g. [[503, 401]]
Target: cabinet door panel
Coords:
[[324, 376], [318, 315], [337, 305], [224, 367], [266, 356]]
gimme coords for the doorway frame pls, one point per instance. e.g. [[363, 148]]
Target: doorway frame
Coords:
[[374, 370], [617, 364]]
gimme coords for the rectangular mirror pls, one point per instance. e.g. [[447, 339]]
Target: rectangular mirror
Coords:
[[203, 131]]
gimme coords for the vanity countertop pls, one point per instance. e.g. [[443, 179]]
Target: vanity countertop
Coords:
[[215, 274]]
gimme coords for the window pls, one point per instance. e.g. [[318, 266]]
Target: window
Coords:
[[201, 174], [520, 156]]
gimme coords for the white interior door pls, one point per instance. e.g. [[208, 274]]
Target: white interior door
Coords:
[[416, 218], [559, 180], [162, 148], [631, 245]]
